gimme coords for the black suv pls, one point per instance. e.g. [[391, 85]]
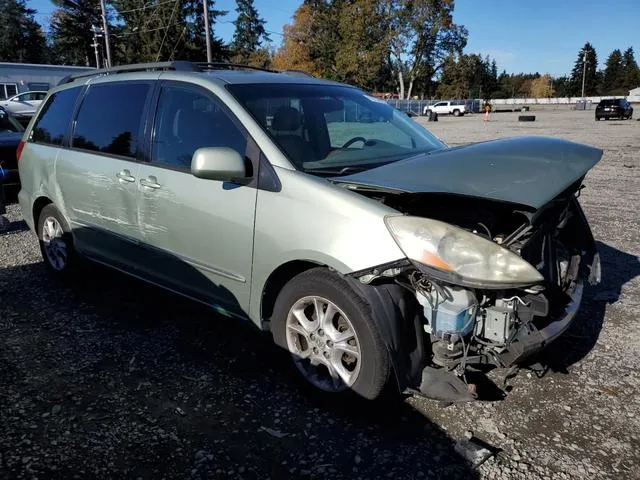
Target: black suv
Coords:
[[614, 108]]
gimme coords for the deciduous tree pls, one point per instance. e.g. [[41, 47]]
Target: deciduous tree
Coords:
[[421, 35], [541, 87]]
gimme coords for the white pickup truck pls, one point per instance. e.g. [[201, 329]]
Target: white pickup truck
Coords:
[[456, 109]]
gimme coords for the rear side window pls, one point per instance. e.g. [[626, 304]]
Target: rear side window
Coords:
[[54, 118], [110, 117]]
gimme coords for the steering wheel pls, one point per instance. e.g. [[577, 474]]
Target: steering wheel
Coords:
[[350, 142]]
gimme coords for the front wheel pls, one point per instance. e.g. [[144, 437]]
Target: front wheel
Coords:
[[327, 329]]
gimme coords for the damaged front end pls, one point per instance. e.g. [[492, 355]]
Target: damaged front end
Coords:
[[485, 284]]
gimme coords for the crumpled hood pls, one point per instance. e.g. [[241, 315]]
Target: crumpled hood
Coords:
[[526, 170]]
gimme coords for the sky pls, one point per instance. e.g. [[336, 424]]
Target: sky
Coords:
[[523, 36]]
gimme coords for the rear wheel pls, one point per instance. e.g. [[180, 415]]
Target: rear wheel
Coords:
[[456, 113], [56, 243], [326, 327]]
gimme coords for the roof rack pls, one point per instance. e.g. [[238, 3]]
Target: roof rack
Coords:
[[299, 73], [135, 67], [221, 65], [180, 65]]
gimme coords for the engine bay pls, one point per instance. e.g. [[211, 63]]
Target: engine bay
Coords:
[[467, 328]]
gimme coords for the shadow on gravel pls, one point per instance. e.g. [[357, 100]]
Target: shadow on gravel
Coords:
[[15, 227], [146, 384], [618, 268]]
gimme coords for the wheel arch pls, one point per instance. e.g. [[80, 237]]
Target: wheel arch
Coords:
[[38, 205], [277, 280]]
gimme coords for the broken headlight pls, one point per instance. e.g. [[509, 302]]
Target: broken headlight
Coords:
[[457, 256]]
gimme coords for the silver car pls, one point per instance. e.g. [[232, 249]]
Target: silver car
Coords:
[[375, 254], [24, 104]]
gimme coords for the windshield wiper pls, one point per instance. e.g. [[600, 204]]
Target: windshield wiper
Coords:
[[337, 173]]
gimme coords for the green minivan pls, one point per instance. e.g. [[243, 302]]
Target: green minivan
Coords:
[[374, 253]]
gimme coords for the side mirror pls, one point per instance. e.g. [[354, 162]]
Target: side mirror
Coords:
[[218, 163]]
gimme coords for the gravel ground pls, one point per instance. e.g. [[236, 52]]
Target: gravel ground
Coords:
[[106, 377]]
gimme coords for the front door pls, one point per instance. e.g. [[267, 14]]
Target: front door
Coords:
[[200, 230], [441, 108], [98, 176]]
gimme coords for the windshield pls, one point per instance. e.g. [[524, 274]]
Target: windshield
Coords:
[[333, 129], [8, 123]]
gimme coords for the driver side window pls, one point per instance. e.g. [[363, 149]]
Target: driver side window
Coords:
[[188, 119], [357, 121]]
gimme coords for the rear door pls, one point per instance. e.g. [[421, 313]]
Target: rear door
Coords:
[[200, 230], [98, 174]]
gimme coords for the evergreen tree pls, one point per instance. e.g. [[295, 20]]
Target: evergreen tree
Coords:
[[311, 41], [562, 86], [249, 34], [21, 38], [148, 32], [470, 76], [71, 32], [630, 71], [590, 76], [613, 76], [361, 56]]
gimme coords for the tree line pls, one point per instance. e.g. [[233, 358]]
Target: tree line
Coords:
[[411, 48], [140, 31]]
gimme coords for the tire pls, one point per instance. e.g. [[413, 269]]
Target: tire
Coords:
[[526, 118], [60, 257], [456, 113], [597, 119], [368, 375]]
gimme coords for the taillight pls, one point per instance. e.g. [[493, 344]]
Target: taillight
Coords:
[[19, 149]]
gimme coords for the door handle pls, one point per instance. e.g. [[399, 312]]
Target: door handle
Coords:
[[150, 182], [125, 176]]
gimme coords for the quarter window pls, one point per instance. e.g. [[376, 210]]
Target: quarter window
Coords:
[[53, 121], [110, 117], [186, 120]]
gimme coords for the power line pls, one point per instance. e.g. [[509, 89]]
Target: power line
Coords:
[[144, 7], [148, 30], [173, 11]]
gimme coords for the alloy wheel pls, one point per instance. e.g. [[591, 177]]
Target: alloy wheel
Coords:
[[323, 343], [55, 247]]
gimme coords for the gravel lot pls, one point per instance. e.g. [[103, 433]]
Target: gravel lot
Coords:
[[108, 378]]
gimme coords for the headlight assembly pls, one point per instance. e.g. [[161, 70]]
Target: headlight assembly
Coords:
[[459, 257]]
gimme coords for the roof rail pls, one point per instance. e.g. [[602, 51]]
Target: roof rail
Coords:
[[183, 66], [299, 73], [136, 67], [220, 65]]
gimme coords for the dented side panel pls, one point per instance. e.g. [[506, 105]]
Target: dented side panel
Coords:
[[98, 195]]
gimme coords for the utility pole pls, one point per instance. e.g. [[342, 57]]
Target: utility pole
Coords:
[[105, 27], [584, 70], [95, 45], [207, 35]]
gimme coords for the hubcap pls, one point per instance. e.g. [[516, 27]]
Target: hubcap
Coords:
[[55, 247], [323, 343]]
